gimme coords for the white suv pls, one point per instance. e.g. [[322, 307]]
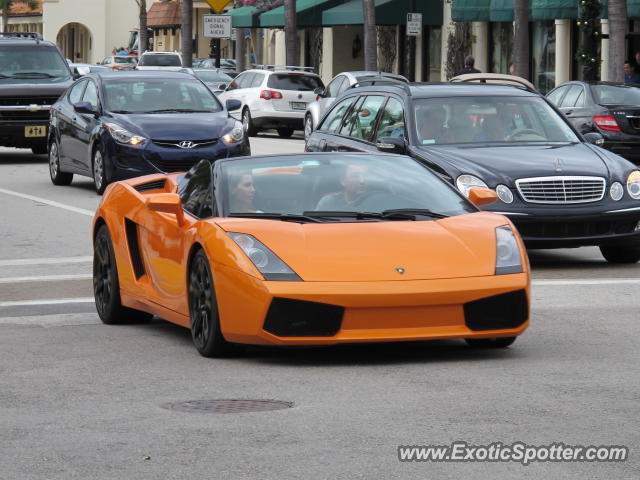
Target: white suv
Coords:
[[272, 98], [160, 61]]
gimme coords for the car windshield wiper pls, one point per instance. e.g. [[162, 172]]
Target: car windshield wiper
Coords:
[[361, 215], [32, 74], [413, 211], [286, 217], [175, 110]]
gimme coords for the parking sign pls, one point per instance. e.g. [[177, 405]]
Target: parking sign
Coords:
[[414, 24], [217, 26]]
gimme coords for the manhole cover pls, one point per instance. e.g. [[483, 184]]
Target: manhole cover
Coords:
[[227, 406]]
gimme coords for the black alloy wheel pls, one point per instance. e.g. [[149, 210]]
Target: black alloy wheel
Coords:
[[203, 311], [285, 132], [57, 177], [247, 124], [106, 287], [620, 253], [500, 342]]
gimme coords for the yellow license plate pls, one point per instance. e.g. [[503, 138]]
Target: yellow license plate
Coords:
[[30, 132]]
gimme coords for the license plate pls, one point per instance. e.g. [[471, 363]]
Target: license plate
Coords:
[[30, 132], [299, 105]]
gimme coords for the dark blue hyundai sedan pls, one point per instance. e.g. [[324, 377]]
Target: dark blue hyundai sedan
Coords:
[[116, 125]]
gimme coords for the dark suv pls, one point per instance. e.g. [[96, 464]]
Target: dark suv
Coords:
[[33, 74], [558, 188]]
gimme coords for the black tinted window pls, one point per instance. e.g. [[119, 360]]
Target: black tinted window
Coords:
[[334, 119], [30, 61], [556, 95], [195, 190], [301, 83], [75, 94], [160, 61], [570, 98]]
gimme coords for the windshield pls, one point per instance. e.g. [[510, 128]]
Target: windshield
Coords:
[[489, 120], [32, 62], [323, 186], [293, 81], [159, 95], [616, 94], [131, 60], [213, 76], [159, 60]]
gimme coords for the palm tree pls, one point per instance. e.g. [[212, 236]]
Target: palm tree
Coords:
[[143, 35], [291, 32], [617, 33], [521, 38], [370, 44], [187, 32], [5, 5]]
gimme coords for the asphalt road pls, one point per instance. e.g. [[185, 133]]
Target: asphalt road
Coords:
[[82, 400]]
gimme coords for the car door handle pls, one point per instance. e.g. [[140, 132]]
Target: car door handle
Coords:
[[568, 112]]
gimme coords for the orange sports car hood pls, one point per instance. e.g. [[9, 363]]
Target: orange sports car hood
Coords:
[[461, 246]]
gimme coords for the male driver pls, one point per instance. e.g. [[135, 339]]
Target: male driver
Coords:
[[353, 182]]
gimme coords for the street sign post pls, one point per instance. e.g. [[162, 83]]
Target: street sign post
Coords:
[[218, 5], [414, 24]]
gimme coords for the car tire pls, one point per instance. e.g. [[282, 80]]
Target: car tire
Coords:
[[247, 124], [285, 132], [39, 150], [621, 253], [500, 342], [308, 126], [204, 318], [106, 286], [99, 169], [58, 177]]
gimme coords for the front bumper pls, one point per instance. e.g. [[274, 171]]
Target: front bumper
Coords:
[[128, 162], [371, 311], [12, 134]]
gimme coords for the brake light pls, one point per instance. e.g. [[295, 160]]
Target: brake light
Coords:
[[607, 122], [116, 67], [270, 95]]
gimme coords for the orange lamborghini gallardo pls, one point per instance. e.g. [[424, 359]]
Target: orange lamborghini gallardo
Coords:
[[309, 249]]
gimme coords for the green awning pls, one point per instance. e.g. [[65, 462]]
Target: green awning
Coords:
[[633, 9], [247, 17], [553, 9], [501, 11], [308, 13], [470, 10], [388, 12]]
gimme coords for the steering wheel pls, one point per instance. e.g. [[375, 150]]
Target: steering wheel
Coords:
[[524, 131]]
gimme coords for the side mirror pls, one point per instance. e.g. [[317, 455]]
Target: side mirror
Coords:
[[232, 105], [167, 203], [594, 138], [482, 196], [222, 86], [319, 91], [81, 70], [391, 145], [84, 107]]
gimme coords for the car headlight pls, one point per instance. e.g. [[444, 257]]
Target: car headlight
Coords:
[[504, 193], [235, 135], [633, 184], [508, 258], [616, 191], [467, 182], [121, 135], [267, 262]]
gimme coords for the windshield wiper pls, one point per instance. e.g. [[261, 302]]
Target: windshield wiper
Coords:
[[287, 217], [32, 74], [412, 211], [175, 110], [361, 215]]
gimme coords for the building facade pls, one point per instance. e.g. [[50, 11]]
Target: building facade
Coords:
[[24, 18]]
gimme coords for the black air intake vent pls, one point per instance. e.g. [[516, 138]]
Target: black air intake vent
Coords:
[[153, 185], [134, 248], [508, 310], [297, 318]]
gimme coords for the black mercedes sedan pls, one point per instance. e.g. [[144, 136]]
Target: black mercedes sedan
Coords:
[[117, 125], [556, 185], [611, 109]]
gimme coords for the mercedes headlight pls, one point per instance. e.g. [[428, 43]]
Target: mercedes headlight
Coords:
[[124, 136], [467, 182], [235, 135], [508, 258], [633, 184], [504, 193], [267, 262]]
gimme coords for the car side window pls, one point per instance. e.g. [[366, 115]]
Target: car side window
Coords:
[[580, 99], [195, 190], [363, 120], [555, 96], [570, 98], [91, 95], [236, 82], [333, 88], [75, 94], [257, 80], [391, 122], [335, 117], [245, 82]]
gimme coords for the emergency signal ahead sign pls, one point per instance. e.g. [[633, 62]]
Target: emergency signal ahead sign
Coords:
[[217, 26], [218, 5]]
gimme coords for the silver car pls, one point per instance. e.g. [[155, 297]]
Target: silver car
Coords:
[[339, 83]]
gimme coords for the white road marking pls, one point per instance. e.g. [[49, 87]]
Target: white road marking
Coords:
[[15, 262], [47, 278], [599, 281], [64, 319], [51, 301], [51, 203]]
